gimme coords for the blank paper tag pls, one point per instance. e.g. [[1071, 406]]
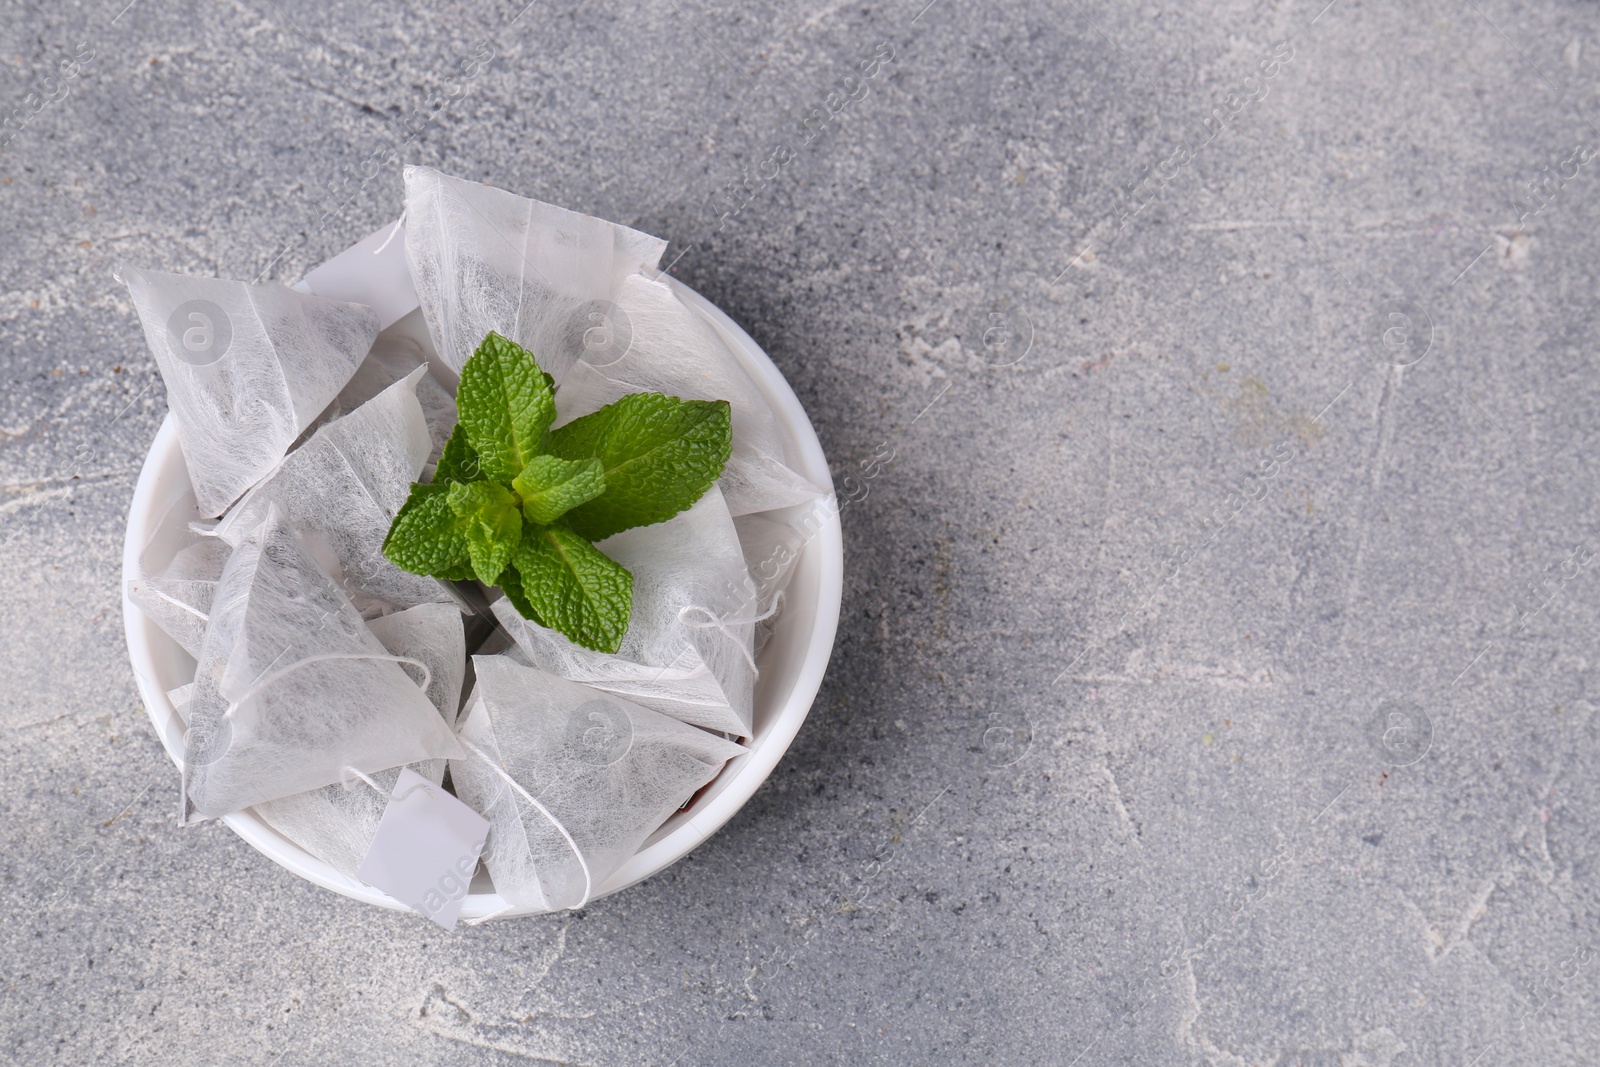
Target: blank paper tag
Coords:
[[426, 849]]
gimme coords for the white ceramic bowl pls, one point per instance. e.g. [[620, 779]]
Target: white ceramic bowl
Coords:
[[792, 662]]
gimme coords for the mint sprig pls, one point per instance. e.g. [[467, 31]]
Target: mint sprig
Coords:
[[516, 504]]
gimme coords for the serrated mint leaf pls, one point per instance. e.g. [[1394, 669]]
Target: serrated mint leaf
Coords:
[[461, 572], [506, 404], [427, 537], [493, 525], [658, 454], [550, 486], [511, 585], [459, 460], [573, 587]]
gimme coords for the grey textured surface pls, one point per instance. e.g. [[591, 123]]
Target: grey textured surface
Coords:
[[1094, 776]]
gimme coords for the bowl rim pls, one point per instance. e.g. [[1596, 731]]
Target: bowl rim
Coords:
[[353, 274]]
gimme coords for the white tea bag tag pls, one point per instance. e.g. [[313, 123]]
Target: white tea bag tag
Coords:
[[425, 850]]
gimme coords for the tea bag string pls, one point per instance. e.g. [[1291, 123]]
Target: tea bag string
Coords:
[[172, 601], [399, 222], [380, 790], [264, 678], [495, 914], [588, 880], [722, 623]]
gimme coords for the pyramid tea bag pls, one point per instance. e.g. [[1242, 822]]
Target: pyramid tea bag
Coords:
[[247, 367], [484, 259], [772, 543], [571, 780], [391, 359], [669, 348], [292, 689], [178, 572], [432, 635], [341, 490], [179, 600], [336, 823], [688, 651]]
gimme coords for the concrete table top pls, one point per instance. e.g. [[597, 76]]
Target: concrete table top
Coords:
[[1208, 387]]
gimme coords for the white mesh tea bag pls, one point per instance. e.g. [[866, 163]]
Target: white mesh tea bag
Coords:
[[247, 367], [484, 259], [432, 635], [337, 822], [571, 780], [391, 359], [341, 490], [292, 690], [772, 543], [664, 346], [688, 651], [178, 572]]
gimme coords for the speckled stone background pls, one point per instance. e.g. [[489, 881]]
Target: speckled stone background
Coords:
[[1210, 387]]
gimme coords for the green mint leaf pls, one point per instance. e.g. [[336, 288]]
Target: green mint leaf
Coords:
[[511, 585], [493, 525], [459, 460], [427, 537], [462, 572], [573, 587], [506, 404], [659, 454], [550, 486]]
